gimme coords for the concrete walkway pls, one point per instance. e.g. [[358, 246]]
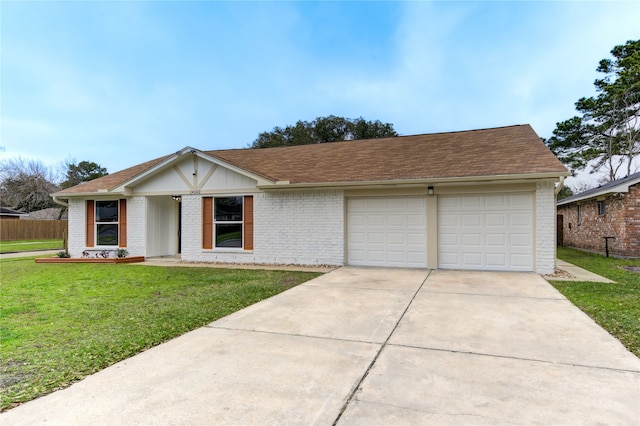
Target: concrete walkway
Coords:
[[28, 254], [372, 347], [576, 273]]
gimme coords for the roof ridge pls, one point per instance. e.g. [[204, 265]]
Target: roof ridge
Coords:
[[376, 139]]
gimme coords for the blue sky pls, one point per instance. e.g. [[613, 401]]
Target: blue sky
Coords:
[[119, 83]]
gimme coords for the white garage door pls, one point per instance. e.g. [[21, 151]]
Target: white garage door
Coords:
[[388, 231], [486, 232]]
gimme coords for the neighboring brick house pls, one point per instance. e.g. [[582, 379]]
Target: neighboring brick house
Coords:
[[479, 199], [10, 214], [611, 210]]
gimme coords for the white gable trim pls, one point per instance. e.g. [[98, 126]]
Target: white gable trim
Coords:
[[126, 186]]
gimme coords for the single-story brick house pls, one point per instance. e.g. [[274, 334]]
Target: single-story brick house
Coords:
[[479, 199], [611, 210]]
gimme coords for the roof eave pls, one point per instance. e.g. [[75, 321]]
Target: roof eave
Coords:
[[413, 182], [605, 191], [101, 192], [125, 187]]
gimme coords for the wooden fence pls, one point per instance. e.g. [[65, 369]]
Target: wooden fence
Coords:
[[11, 230]]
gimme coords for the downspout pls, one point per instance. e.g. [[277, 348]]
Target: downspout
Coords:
[[59, 201], [560, 186]]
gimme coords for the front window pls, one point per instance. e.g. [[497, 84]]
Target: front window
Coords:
[[106, 216], [602, 208], [228, 222]]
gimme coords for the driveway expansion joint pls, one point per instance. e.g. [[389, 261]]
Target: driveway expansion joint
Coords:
[[516, 358], [358, 385], [506, 296], [213, 327], [324, 287]]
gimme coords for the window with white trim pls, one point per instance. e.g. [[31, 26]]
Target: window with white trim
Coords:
[[228, 222], [106, 222], [602, 207]]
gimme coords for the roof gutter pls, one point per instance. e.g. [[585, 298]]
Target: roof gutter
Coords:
[[59, 201], [404, 182]]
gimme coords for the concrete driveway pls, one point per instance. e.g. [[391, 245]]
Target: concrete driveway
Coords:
[[372, 346]]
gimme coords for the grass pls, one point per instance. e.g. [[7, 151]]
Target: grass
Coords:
[[28, 245], [62, 322], [616, 307]]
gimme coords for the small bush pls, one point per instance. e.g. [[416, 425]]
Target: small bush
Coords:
[[120, 253], [64, 254]]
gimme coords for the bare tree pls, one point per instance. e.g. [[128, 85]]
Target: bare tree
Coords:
[[26, 184]]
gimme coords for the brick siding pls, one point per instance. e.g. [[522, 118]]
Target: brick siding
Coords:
[[621, 220], [136, 228], [76, 212], [290, 227], [545, 228]]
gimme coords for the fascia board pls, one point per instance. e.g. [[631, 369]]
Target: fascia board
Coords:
[[121, 187], [410, 182], [260, 179], [623, 187], [147, 174]]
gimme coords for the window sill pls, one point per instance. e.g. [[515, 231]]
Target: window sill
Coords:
[[235, 251]]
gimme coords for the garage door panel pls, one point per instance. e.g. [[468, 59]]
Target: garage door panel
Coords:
[[471, 202], [521, 201], [496, 260], [520, 219], [471, 219], [396, 256], [446, 221], [397, 219], [359, 237], [495, 219], [395, 230], [415, 239], [375, 238], [472, 259], [415, 220], [448, 259], [448, 240], [520, 262], [397, 239], [495, 240], [471, 240], [375, 219], [496, 201], [520, 240], [486, 231]]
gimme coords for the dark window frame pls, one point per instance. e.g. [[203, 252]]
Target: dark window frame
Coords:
[[104, 224], [229, 217]]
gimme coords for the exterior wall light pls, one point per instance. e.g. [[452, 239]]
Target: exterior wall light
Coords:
[[430, 190]]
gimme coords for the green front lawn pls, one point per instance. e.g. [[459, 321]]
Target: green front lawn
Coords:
[[616, 307], [62, 322], [29, 245]]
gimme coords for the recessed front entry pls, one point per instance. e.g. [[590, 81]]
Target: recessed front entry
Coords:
[[387, 231]]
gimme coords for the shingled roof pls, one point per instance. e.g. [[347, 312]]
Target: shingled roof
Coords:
[[503, 151], [109, 181], [510, 150]]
